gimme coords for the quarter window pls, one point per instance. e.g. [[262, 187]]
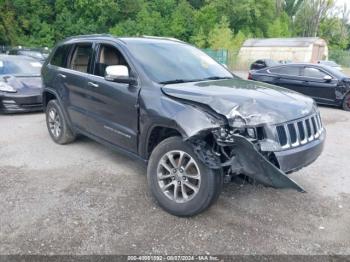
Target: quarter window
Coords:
[[314, 72], [286, 70], [59, 57], [81, 58]]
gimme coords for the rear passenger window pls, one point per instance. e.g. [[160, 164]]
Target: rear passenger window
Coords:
[[59, 57], [81, 58], [286, 70]]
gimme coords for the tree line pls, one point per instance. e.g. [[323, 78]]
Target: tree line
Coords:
[[205, 23]]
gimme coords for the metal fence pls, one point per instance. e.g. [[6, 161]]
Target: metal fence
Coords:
[[224, 56]]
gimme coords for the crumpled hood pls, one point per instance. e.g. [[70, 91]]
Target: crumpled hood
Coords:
[[258, 103]]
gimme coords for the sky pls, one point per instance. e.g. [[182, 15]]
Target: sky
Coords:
[[340, 3]]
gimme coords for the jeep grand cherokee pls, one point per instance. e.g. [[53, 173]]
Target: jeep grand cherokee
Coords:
[[192, 121]]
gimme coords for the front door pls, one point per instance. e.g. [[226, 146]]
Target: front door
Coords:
[[114, 105], [323, 91]]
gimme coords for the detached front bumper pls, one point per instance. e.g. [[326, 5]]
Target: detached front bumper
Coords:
[[14, 102], [294, 159]]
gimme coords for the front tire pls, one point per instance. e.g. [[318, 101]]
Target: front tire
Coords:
[[179, 181], [57, 125], [346, 102]]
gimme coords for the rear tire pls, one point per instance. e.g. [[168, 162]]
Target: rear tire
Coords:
[[57, 125], [179, 181], [346, 102]]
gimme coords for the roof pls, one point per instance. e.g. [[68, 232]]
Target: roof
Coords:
[[330, 69], [282, 42], [108, 37]]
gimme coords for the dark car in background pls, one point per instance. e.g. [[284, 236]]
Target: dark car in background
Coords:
[[263, 63], [324, 84], [170, 105], [20, 84], [36, 54]]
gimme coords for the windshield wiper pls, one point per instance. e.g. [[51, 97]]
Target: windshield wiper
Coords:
[[176, 81], [217, 77]]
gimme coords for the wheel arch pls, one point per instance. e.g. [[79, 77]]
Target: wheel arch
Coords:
[[156, 134]]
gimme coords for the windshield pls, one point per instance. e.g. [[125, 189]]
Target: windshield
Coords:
[[166, 62], [19, 67]]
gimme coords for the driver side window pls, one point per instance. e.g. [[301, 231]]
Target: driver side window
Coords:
[[108, 56], [314, 73]]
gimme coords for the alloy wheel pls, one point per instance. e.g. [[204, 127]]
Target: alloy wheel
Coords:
[[178, 176], [54, 123]]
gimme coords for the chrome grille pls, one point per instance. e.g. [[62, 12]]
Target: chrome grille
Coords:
[[299, 132]]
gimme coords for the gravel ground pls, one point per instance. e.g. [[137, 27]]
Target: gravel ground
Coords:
[[84, 198]]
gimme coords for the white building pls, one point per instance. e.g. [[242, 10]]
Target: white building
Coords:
[[302, 49]]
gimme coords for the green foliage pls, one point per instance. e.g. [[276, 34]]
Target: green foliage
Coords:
[[206, 23], [221, 36], [279, 27], [335, 32], [342, 57]]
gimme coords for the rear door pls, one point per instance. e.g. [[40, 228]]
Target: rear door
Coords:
[[114, 105], [289, 77], [77, 92], [323, 91]]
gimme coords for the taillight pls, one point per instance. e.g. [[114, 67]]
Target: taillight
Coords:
[[250, 77]]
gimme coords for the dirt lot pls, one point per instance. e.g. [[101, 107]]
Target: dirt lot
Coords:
[[86, 199]]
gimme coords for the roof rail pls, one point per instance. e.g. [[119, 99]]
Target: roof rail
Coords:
[[161, 37], [89, 36]]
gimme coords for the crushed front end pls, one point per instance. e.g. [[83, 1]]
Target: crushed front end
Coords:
[[264, 152]]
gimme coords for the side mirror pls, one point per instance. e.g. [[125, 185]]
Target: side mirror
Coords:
[[327, 78], [119, 74]]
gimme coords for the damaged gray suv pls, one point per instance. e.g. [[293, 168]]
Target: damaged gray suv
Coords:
[[167, 103]]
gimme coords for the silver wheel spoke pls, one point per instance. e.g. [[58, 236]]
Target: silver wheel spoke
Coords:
[[162, 176], [198, 177], [176, 191], [172, 161], [189, 164], [52, 115], [181, 158], [193, 187], [166, 166], [183, 191], [164, 188]]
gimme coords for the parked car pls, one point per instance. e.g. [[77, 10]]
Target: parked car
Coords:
[[263, 63], [324, 84], [30, 53], [170, 105], [20, 84], [330, 64]]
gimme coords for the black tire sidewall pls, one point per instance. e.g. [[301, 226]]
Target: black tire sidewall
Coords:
[[209, 180], [345, 105]]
